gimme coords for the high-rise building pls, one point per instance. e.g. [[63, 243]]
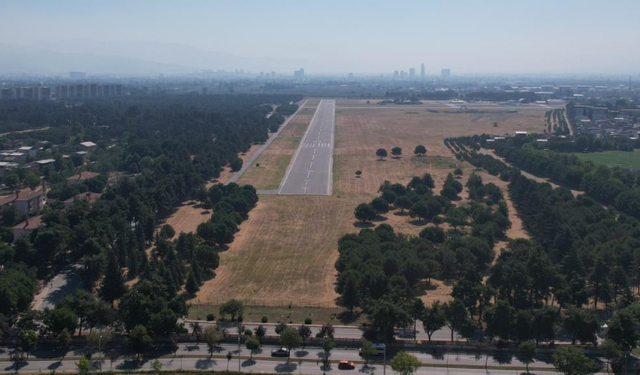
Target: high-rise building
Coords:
[[412, 72], [298, 73], [403, 74], [396, 74], [445, 73], [422, 71]]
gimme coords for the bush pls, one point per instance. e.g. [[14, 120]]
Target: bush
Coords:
[[308, 321], [248, 332], [264, 319], [211, 317], [240, 318]]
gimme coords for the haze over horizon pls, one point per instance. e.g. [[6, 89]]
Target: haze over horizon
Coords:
[[365, 37]]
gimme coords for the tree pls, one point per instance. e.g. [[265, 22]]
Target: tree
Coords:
[[280, 327], [581, 324], [433, 318], [60, 319], [458, 318], [113, 286], [358, 173], [156, 365], [207, 257], [64, 339], [367, 350], [419, 209], [622, 329], [396, 151], [499, 319], [28, 340], [252, 345], [163, 323], [290, 339], [456, 217], [527, 351], [612, 352], [139, 340], [233, 308], [97, 338], [167, 232], [260, 332], [212, 337], [327, 345], [403, 203], [405, 364], [350, 292], [305, 333], [31, 180], [364, 212], [380, 206], [192, 286], [83, 365], [570, 360], [235, 165], [420, 150], [381, 153]]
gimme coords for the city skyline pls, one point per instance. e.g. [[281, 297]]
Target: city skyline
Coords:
[[337, 38]]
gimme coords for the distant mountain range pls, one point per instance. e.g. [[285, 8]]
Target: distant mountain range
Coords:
[[125, 58]]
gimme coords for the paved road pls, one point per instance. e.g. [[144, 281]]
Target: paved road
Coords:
[[311, 167], [259, 151], [246, 365], [52, 291], [195, 356]]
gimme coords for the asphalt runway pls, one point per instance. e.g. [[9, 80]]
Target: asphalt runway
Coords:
[[310, 169]]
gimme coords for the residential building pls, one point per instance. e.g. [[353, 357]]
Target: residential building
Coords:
[[27, 226], [445, 73], [81, 177], [26, 201], [89, 197]]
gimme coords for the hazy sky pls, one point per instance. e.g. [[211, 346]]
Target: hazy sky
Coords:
[[540, 36]]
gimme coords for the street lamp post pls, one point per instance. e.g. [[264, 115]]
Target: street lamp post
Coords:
[[100, 351], [384, 361]]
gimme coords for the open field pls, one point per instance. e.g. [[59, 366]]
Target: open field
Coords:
[[286, 250], [275, 159], [622, 159]]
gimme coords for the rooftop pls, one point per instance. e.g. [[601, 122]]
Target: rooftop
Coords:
[[31, 223], [89, 197], [83, 176]]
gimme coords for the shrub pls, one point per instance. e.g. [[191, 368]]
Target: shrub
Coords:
[[211, 317], [308, 321], [264, 319], [248, 332]]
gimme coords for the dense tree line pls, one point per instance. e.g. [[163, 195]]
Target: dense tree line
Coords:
[[609, 186], [379, 269], [167, 148]]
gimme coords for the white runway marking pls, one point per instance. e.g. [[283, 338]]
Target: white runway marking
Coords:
[[310, 165], [313, 157], [308, 174], [314, 151]]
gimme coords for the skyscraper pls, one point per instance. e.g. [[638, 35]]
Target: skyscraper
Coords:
[[422, 71], [412, 72]]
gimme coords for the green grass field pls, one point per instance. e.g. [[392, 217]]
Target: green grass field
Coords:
[[622, 159]]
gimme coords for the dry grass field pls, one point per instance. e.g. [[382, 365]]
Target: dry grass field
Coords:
[[275, 159], [285, 251]]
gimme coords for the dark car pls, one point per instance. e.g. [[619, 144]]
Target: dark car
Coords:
[[346, 365], [280, 352]]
